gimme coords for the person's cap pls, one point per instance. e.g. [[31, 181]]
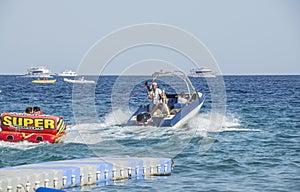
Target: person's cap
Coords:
[[154, 83]]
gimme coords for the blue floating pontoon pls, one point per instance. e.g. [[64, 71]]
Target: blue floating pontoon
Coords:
[[79, 172]]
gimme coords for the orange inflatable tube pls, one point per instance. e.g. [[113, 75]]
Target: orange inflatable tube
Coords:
[[30, 137], [32, 123]]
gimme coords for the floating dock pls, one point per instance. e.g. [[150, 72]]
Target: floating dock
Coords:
[[80, 172]]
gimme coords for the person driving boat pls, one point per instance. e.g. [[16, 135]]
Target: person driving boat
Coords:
[[159, 100]]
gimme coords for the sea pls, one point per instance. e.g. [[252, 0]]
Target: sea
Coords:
[[256, 148]]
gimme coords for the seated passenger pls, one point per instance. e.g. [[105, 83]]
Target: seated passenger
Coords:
[[28, 110], [181, 101], [37, 110], [182, 98]]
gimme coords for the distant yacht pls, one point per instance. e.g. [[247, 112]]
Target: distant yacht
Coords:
[[39, 71], [202, 72], [68, 73]]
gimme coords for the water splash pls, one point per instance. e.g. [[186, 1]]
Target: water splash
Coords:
[[24, 145], [117, 117], [230, 123], [112, 128]]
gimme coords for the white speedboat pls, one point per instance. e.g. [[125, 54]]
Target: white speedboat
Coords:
[[80, 80], [68, 73], [202, 72], [179, 113], [39, 71]]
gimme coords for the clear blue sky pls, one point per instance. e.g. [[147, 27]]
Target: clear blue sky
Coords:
[[244, 36]]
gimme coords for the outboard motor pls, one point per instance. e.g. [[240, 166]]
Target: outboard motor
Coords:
[[144, 118]]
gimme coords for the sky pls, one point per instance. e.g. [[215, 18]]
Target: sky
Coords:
[[243, 36]]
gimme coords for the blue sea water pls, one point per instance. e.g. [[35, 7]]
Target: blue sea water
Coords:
[[257, 149]]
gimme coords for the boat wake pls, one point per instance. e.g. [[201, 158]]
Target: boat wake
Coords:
[[240, 129], [113, 138], [230, 123], [113, 129], [23, 145]]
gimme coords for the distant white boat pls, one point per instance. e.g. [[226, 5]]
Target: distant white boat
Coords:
[[80, 80], [68, 73], [202, 72], [38, 71]]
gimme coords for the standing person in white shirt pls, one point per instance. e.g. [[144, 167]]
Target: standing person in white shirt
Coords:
[[159, 100]]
